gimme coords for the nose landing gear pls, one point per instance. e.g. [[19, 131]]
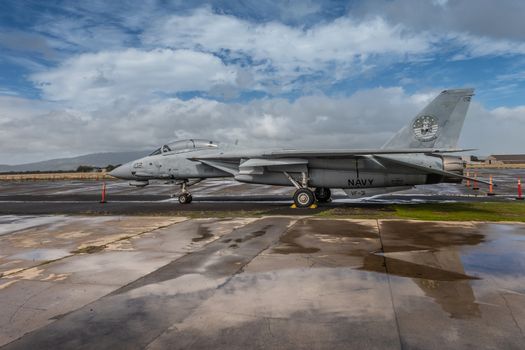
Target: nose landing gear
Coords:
[[185, 197]]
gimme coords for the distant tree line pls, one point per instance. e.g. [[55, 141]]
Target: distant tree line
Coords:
[[90, 169], [80, 169]]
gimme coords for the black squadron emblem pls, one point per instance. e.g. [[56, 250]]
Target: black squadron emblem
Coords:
[[425, 128]]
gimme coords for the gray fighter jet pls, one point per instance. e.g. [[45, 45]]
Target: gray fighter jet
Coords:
[[418, 154]]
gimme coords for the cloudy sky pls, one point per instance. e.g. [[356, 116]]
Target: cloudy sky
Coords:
[[78, 77]]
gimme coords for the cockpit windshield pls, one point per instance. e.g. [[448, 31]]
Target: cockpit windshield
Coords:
[[184, 146]]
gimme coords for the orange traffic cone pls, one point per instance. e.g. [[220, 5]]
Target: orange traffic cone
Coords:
[[103, 199], [475, 187], [491, 187]]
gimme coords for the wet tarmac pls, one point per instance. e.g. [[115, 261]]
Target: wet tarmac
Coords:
[[505, 179], [280, 282], [82, 197]]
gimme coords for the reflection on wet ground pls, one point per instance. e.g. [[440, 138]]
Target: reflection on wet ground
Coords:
[[275, 282]]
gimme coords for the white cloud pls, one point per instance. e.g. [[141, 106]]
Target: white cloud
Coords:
[[495, 131], [480, 18], [94, 79], [476, 46], [270, 127], [286, 52], [470, 29], [365, 119], [266, 56], [510, 114], [223, 55]]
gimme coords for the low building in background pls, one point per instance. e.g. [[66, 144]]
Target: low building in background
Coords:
[[496, 160], [506, 159]]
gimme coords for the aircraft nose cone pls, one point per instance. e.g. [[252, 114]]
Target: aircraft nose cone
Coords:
[[122, 172]]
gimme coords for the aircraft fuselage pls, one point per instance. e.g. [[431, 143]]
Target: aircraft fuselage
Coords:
[[345, 173]]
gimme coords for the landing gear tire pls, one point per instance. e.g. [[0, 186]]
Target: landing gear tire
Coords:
[[323, 194], [185, 198], [303, 198]]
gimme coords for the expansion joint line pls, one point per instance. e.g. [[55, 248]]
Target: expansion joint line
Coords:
[[502, 295], [180, 257], [389, 285], [270, 244]]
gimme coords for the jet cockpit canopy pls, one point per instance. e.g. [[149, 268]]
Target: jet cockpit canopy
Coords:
[[185, 146]]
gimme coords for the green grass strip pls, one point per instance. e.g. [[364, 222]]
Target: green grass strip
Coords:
[[478, 211]]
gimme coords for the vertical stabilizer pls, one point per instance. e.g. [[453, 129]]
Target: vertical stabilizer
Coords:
[[438, 125]]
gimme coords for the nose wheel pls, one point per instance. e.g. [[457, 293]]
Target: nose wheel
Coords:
[[185, 198]]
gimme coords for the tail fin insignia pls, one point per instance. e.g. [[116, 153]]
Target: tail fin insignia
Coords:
[[425, 128], [438, 125]]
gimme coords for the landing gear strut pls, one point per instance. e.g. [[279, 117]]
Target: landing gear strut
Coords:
[[323, 194], [185, 196], [303, 197]]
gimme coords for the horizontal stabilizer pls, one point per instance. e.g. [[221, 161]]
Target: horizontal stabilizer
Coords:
[[428, 170]]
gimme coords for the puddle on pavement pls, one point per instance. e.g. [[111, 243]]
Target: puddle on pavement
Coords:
[[456, 298], [254, 234], [503, 255], [290, 244], [216, 228], [429, 254], [203, 233], [41, 254], [247, 237], [378, 263], [397, 235], [14, 224], [307, 235]]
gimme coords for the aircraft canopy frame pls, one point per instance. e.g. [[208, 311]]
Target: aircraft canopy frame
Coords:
[[182, 146]]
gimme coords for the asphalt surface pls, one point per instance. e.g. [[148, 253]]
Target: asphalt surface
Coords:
[[114, 282], [221, 204], [83, 197], [270, 205]]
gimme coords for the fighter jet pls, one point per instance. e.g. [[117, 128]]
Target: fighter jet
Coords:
[[418, 154]]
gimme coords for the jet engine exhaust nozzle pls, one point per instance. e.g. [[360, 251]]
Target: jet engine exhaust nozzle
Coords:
[[454, 165]]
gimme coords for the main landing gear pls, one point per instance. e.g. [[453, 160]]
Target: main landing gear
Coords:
[[303, 198], [185, 197], [323, 194], [306, 198]]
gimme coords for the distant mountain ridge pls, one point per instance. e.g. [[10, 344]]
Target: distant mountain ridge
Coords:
[[93, 159]]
